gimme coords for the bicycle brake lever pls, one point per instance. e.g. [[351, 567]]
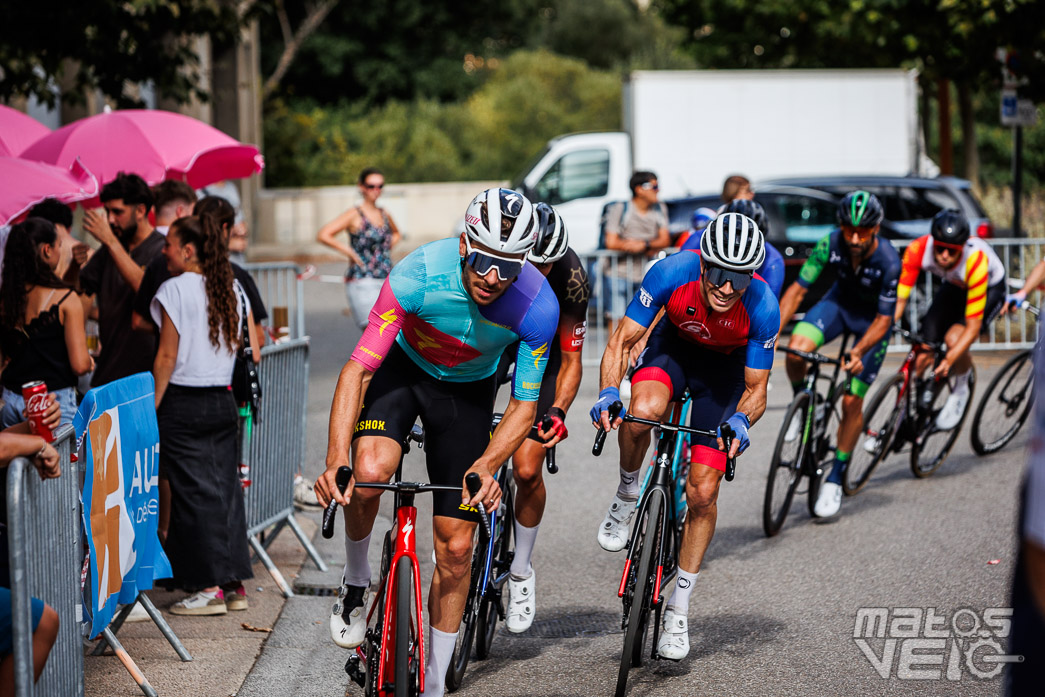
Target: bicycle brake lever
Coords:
[[341, 479], [473, 482], [549, 454], [727, 441], [600, 437]]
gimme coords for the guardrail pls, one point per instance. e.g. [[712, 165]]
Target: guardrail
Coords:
[[283, 294], [277, 451], [46, 556]]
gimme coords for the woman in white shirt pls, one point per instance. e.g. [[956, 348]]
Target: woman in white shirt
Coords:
[[201, 328]]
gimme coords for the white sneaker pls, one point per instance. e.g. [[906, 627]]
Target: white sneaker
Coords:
[[613, 533], [305, 496], [137, 614], [870, 444], [828, 501], [674, 636], [348, 616], [952, 410], [794, 428], [522, 603]]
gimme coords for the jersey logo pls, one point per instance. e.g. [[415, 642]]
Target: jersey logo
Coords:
[[537, 353], [769, 344], [424, 341], [388, 316], [512, 204], [580, 329], [696, 327], [644, 297], [691, 311], [727, 323]]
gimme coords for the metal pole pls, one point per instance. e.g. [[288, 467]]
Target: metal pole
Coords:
[[1017, 179], [21, 610]]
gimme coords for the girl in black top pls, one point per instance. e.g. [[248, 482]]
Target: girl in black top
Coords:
[[42, 333]]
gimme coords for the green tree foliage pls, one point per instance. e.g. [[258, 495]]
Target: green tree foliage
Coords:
[[108, 46]]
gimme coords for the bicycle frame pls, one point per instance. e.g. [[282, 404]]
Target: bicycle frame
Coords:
[[907, 370], [812, 375], [679, 415]]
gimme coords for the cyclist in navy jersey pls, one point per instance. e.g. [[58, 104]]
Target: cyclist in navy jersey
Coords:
[[552, 256], [717, 339]]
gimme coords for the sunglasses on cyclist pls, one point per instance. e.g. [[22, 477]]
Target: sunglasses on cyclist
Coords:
[[862, 232], [718, 276], [947, 246], [481, 262]]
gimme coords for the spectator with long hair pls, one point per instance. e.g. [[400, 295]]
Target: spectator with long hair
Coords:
[[201, 321], [41, 322]]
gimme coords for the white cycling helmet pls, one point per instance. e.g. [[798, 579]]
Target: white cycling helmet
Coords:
[[733, 241], [501, 220], [552, 239]]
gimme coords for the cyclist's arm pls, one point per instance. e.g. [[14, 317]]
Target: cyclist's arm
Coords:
[[753, 402], [568, 381], [910, 269], [515, 425], [1035, 279], [615, 359], [807, 275], [789, 304], [871, 338], [976, 277]]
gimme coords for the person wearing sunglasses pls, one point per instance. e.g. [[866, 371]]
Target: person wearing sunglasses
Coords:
[[716, 338], [371, 235], [861, 301], [444, 316], [971, 295]]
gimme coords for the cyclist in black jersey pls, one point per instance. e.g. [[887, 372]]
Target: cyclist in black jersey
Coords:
[[565, 273]]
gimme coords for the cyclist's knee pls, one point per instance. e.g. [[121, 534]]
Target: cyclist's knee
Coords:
[[646, 405], [527, 474], [852, 405], [702, 489], [953, 334], [454, 554]]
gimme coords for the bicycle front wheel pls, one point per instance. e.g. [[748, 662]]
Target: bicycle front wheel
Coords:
[[642, 577], [492, 605], [405, 645], [465, 635], [881, 419], [785, 468], [1005, 405], [932, 445]]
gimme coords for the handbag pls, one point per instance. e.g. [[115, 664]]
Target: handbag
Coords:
[[246, 384]]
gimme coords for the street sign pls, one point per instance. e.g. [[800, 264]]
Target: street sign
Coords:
[[1016, 111]]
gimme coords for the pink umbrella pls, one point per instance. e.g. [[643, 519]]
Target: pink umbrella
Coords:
[[18, 131], [155, 145], [23, 184]]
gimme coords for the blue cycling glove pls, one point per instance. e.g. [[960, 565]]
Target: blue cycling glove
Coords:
[[740, 425], [1016, 298], [607, 397]]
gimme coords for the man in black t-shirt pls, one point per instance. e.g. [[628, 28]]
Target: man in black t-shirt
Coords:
[[113, 274]]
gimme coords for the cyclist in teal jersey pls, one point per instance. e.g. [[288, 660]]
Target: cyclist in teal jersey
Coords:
[[430, 350]]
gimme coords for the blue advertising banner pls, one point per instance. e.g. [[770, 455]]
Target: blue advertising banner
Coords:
[[120, 494]]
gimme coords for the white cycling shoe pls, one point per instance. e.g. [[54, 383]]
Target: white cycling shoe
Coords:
[[348, 616], [674, 636], [522, 603], [828, 501], [793, 428], [613, 533], [870, 444], [952, 411]]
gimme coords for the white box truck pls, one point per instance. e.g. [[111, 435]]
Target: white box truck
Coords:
[[694, 128]]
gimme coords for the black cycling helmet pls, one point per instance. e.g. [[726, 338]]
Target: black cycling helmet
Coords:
[[860, 209], [751, 209], [552, 238], [950, 227]]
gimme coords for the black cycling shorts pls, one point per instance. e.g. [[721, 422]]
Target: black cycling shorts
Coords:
[[948, 309], [455, 415], [546, 397]]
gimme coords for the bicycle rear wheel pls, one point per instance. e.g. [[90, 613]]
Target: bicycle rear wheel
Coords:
[[785, 468], [405, 645], [932, 446], [881, 418], [647, 537], [465, 635], [492, 604], [1005, 405]]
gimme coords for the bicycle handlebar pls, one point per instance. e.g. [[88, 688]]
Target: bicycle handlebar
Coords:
[[549, 454], [473, 482], [934, 346], [341, 479], [812, 357], [616, 408]]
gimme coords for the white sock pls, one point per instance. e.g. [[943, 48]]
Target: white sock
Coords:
[[357, 565], [524, 539], [679, 601], [440, 652], [961, 382], [628, 489]]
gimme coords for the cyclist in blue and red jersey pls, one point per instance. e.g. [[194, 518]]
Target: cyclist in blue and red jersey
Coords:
[[444, 316], [862, 302], [716, 339], [772, 269]]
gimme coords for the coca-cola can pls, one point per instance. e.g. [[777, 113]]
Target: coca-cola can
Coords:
[[35, 395]]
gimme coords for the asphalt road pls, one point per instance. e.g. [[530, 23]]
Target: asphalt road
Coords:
[[768, 616]]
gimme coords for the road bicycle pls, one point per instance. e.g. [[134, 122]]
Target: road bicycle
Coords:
[[1006, 402], [652, 555], [390, 662], [810, 452], [903, 410], [492, 556]]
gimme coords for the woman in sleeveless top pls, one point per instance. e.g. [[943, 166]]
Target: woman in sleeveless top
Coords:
[[41, 322], [372, 233]]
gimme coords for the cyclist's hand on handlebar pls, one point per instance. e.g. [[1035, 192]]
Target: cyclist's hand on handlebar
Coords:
[[740, 425], [557, 430], [854, 365], [1012, 302], [600, 412], [942, 368], [326, 488], [489, 492]]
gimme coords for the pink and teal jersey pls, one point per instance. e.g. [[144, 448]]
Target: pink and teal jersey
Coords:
[[423, 306]]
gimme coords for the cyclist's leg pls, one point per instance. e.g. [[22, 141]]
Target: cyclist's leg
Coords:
[[852, 421], [821, 324], [946, 311]]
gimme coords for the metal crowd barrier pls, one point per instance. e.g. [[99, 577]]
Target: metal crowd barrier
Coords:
[[46, 557], [280, 288], [277, 451], [609, 271]]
